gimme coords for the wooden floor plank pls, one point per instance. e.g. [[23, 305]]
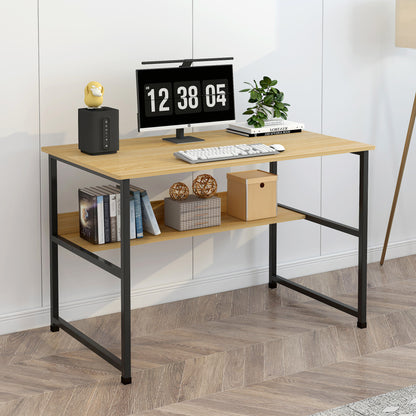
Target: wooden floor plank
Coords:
[[102, 397], [79, 401]]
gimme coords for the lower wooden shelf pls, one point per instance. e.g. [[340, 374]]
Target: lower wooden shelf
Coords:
[[68, 228]]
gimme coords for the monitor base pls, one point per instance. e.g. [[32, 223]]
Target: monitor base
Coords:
[[181, 138], [184, 139]]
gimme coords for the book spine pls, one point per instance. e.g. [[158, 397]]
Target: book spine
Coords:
[[270, 133], [88, 217], [113, 217], [132, 220], [138, 214], [118, 206], [107, 225], [241, 133], [273, 133], [148, 216], [100, 219], [269, 129], [266, 129], [258, 130]]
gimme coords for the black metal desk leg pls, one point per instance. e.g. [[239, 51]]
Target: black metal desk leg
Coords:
[[362, 242], [272, 242], [53, 247], [125, 283]]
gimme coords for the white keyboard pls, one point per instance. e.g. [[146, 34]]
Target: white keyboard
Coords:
[[238, 151]]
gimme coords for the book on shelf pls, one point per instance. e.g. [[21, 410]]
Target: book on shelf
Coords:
[[132, 219], [116, 191], [99, 214], [137, 211], [112, 212], [148, 216], [106, 206], [118, 211], [269, 133], [284, 125], [113, 216], [88, 215]]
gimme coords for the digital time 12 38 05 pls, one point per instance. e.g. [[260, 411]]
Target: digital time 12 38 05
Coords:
[[185, 97]]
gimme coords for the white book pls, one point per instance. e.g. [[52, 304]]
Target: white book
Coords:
[[284, 125], [118, 207], [100, 219], [132, 220]]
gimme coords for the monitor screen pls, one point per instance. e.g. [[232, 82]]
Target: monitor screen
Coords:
[[183, 96]]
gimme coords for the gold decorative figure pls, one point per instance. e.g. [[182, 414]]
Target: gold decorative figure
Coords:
[[204, 186], [93, 94], [179, 191]]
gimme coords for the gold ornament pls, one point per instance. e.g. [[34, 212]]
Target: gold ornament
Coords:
[[93, 94], [178, 191], [204, 186]]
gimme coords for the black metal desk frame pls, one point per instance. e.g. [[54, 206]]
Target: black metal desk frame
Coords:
[[361, 232], [123, 271]]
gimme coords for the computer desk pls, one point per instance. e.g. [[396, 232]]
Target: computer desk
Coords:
[[152, 156]]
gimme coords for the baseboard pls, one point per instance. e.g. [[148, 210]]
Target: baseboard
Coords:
[[338, 261], [39, 317], [102, 305]]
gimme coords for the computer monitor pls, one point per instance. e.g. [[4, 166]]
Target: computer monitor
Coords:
[[184, 97]]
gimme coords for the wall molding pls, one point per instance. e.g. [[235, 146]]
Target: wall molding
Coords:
[[85, 308], [327, 263]]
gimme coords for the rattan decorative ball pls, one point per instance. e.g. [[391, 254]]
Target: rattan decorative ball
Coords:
[[204, 186], [179, 191]]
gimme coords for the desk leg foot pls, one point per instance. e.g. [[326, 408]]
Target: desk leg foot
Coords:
[[362, 325], [54, 328], [126, 380], [272, 285]]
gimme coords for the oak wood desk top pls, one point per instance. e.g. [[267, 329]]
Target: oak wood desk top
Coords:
[[152, 156]]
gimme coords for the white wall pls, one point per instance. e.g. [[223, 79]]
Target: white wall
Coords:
[[368, 88], [97, 41], [20, 265], [337, 64]]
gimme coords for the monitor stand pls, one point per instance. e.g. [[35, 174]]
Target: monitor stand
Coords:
[[181, 138]]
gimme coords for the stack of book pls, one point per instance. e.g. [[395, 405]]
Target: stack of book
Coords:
[[271, 128], [99, 214]]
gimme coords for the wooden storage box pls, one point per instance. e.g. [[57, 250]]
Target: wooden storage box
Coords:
[[192, 213], [251, 195]]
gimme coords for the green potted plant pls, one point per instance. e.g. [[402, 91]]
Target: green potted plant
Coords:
[[266, 100]]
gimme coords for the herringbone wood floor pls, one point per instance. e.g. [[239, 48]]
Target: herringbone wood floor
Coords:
[[310, 391], [247, 352]]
